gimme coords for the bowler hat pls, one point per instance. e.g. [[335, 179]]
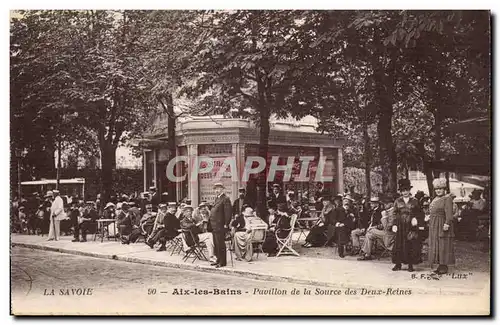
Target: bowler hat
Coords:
[[404, 184]]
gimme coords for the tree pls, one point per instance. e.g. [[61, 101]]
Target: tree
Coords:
[[254, 59]]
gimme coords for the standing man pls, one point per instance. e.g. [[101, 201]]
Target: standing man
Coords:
[[277, 196], [239, 202], [155, 198], [56, 215], [220, 218]]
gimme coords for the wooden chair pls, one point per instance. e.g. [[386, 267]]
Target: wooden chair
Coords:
[[258, 236], [285, 245]]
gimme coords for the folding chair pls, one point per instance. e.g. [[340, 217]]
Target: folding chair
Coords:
[[385, 251], [176, 245], [285, 244], [258, 236], [195, 248]]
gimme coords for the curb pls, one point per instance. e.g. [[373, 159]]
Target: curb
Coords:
[[246, 274]]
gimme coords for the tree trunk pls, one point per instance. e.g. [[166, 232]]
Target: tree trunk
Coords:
[[58, 177], [262, 178], [425, 166], [368, 159], [171, 143], [384, 97], [108, 158], [437, 138], [387, 152]]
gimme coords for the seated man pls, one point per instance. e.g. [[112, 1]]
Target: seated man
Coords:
[[172, 225], [382, 234], [361, 224], [158, 227], [202, 214], [145, 226], [188, 223], [147, 221], [87, 220], [124, 222]]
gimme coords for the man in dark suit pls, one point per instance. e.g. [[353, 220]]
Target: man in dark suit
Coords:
[[220, 218], [277, 196], [155, 198], [240, 202]]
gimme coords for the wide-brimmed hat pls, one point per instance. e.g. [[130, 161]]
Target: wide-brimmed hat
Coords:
[[172, 204], [241, 189], [152, 188], [248, 212], [202, 204], [348, 197], [271, 205], [276, 185], [439, 183], [49, 193], [164, 193], [162, 205], [109, 204], [375, 199], [404, 184], [282, 206], [187, 207]]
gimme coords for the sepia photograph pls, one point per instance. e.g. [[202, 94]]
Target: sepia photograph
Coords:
[[250, 162]]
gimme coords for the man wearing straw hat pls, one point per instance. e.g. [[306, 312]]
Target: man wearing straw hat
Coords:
[[56, 215], [220, 217]]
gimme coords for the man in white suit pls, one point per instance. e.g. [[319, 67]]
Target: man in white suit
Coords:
[[56, 215]]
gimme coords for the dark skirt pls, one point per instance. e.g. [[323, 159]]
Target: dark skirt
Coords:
[[405, 250], [270, 245], [317, 236]]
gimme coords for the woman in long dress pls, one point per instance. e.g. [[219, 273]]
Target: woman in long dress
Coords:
[[280, 227], [441, 232], [407, 244], [242, 234]]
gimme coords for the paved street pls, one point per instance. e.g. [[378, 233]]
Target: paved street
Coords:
[[132, 288]]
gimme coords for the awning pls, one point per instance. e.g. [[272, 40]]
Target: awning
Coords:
[[54, 181], [465, 164], [477, 125]]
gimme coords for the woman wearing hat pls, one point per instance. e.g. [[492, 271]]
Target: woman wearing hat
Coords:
[[407, 216], [441, 232], [242, 234], [279, 227], [317, 236]]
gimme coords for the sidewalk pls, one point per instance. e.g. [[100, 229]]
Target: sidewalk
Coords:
[[320, 272]]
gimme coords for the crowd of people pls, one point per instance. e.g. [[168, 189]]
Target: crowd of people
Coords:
[[396, 224]]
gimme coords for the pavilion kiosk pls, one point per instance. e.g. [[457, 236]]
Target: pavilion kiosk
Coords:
[[218, 137]]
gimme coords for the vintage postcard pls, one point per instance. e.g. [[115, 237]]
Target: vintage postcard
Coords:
[[238, 162]]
